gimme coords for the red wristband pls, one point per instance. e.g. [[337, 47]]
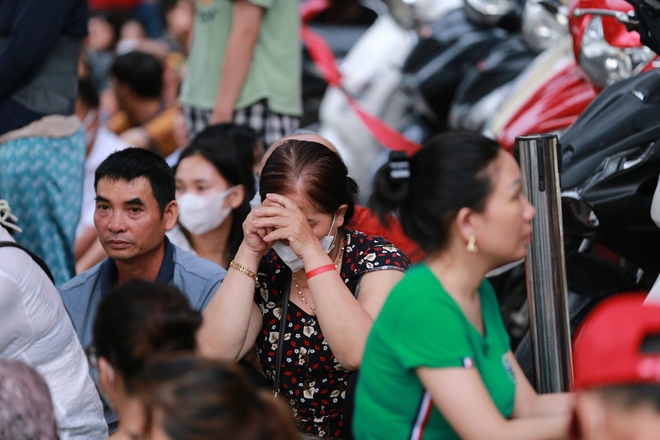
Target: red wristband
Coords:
[[318, 270]]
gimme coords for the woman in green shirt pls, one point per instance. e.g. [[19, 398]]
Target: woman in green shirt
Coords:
[[438, 362]]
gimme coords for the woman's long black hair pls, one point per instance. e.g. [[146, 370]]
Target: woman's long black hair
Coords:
[[427, 190], [231, 163]]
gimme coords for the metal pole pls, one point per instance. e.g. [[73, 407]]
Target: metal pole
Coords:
[[546, 269]]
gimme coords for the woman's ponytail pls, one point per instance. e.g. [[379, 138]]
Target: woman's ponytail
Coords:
[[391, 186]]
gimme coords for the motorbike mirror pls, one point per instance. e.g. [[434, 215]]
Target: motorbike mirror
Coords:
[[629, 20]]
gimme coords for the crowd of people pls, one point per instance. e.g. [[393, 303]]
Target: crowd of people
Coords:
[[174, 252]]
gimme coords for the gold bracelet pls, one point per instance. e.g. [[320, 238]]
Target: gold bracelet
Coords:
[[245, 271]]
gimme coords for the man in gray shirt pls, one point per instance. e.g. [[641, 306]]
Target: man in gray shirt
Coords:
[[135, 205]]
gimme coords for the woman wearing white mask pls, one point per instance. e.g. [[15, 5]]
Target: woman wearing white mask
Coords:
[[213, 189], [294, 283]]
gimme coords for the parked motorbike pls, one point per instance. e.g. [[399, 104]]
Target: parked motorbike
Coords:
[[372, 72], [418, 103], [557, 101], [647, 13], [341, 23], [611, 163], [446, 59], [487, 82], [603, 52], [611, 167], [545, 66]]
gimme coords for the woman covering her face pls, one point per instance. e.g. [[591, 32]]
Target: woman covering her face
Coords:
[[302, 286], [438, 363]]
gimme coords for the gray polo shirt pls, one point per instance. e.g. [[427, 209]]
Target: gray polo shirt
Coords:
[[196, 277]]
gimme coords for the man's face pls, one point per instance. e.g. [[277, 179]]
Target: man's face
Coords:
[[128, 220]]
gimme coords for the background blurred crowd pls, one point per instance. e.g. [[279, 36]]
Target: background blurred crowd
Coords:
[[141, 240], [120, 67]]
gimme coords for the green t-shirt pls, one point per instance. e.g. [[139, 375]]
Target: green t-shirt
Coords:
[[420, 325], [275, 71]]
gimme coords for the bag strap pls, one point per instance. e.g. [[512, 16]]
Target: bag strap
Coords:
[[36, 259], [280, 341]]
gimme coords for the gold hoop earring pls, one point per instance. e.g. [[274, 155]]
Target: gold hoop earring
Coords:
[[472, 245]]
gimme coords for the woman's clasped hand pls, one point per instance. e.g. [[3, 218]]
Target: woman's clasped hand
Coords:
[[283, 221]]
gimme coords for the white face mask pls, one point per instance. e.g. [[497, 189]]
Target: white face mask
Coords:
[[292, 260], [201, 214]]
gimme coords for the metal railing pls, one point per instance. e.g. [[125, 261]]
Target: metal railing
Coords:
[[540, 161]]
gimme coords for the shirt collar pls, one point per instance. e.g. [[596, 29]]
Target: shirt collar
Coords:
[[108, 271]]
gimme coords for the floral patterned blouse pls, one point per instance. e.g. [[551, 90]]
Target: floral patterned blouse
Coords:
[[310, 376]]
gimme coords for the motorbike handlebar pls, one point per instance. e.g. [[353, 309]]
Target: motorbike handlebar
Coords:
[[629, 20]]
